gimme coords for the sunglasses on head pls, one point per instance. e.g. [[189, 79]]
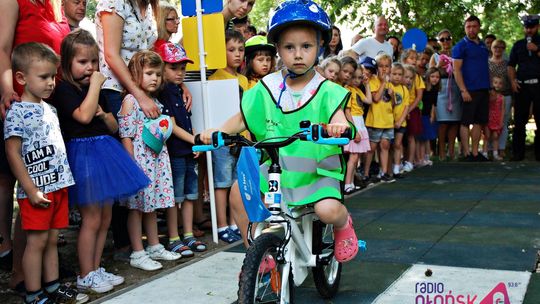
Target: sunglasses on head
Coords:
[[444, 39]]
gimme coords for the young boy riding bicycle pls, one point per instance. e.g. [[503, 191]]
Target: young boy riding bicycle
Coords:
[[276, 106]]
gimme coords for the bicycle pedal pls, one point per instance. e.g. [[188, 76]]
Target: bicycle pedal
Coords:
[[362, 245]]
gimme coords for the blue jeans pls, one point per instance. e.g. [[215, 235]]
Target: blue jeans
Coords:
[[184, 173]]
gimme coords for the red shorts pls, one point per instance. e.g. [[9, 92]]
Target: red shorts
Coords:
[[53, 217]]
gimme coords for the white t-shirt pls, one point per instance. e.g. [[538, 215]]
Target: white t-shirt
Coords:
[[43, 150], [291, 100], [371, 47]]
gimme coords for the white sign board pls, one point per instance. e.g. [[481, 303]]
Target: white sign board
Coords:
[[223, 102], [456, 285]]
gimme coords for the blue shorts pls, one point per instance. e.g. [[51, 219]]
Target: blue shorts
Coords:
[[224, 165], [185, 180], [376, 134]]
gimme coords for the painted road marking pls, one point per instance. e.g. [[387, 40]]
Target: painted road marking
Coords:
[[456, 285]]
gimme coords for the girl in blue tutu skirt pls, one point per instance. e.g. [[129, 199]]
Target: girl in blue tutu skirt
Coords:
[[102, 169]]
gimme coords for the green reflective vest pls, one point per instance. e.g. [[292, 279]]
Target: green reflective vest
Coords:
[[311, 172]]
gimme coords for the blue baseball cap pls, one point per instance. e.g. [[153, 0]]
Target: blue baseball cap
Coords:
[[369, 63]]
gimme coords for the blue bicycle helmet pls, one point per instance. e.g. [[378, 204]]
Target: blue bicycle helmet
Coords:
[[299, 12]]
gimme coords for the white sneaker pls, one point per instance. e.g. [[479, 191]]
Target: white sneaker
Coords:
[[158, 252], [142, 261], [93, 282], [115, 280], [407, 167]]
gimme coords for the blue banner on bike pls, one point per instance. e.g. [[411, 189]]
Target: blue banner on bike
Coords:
[[249, 184]]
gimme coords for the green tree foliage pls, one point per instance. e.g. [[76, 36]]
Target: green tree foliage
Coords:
[[91, 9], [498, 17], [259, 15]]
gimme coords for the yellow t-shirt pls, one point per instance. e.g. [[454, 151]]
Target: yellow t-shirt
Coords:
[[252, 83], [380, 114], [221, 74], [418, 83], [356, 101], [400, 100]]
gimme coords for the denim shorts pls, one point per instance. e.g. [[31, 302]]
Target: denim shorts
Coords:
[[376, 134], [401, 130], [185, 181], [224, 165]]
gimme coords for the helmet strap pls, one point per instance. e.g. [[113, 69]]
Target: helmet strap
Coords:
[[293, 75]]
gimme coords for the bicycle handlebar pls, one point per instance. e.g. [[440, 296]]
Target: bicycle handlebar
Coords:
[[308, 132]]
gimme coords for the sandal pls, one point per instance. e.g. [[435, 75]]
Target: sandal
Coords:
[[346, 242], [194, 244], [181, 248], [228, 236]]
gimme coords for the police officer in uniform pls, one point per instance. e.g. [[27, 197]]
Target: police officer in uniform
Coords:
[[524, 74]]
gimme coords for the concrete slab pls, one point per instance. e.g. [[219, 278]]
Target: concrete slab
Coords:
[[212, 280], [445, 283]]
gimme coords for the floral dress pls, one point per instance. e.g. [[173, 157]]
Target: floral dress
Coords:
[[139, 33], [157, 167]]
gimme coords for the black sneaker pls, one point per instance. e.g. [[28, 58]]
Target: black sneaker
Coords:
[[480, 158], [67, 295], [398, 175], [387, 179], [374, 179]]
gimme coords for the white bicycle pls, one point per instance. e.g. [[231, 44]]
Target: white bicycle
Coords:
[[290, 241]]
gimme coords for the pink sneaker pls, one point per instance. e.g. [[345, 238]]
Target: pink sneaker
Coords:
[[346, 242], [267, 264]]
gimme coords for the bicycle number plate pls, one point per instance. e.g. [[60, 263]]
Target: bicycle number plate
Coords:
[[273, 198]]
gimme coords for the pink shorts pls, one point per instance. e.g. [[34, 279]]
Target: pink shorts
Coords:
[[53, 217]]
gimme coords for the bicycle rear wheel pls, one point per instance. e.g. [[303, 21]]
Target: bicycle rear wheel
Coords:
[[327, 273], [260, 282]]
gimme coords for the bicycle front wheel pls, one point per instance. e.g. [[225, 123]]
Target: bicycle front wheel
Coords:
[[261, 276], [327, 273]]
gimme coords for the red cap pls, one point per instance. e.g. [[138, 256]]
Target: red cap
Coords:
[[172, 53]]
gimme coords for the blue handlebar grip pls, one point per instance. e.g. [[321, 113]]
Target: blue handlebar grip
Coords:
[[362, 245], [333, 141], [202, 148], [217, 142]]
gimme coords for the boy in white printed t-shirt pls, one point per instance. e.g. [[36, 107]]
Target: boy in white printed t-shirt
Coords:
[[37, 156]]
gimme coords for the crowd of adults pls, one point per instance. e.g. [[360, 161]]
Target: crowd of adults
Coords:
[[124, 27], [464, 96]]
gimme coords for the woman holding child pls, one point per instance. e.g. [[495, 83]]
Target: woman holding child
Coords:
[[449, 98]]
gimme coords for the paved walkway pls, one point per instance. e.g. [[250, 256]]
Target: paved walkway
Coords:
[[474, 226]]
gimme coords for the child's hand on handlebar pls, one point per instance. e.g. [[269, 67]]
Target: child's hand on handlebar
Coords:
[[336, 129], [206, 136]]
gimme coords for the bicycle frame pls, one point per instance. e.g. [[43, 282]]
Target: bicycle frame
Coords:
[[297, 253]]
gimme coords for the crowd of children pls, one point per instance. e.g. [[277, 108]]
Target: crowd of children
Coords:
[[148, 165]]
